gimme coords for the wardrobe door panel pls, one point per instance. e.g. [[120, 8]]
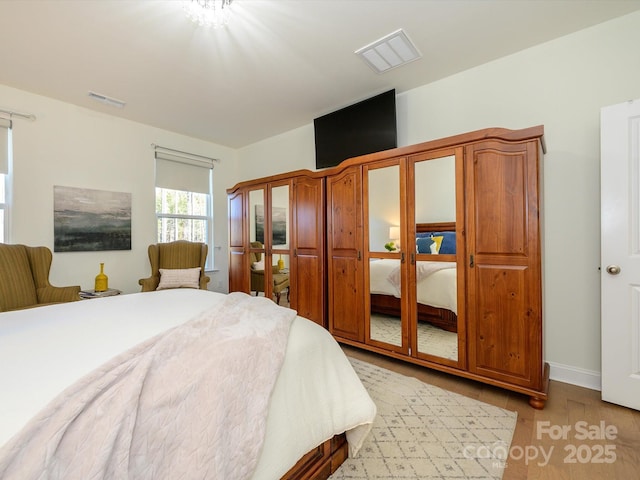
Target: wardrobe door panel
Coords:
[[505, 328], [308, 276], [345, 309], [436, 277], [259, 230], [501, 201], [238, 271], [504, 297], [310, 298], [386, 314], [344, 250], [278, 223], [345, 221], [309, 213]]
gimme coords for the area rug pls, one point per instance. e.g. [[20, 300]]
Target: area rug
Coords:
[[425, 432]]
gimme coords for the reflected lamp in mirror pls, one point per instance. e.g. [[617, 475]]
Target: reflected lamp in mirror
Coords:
[[394, 238]]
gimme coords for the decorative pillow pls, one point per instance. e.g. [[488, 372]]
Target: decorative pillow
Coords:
[[437, 240], [258, 265], [448, 245], [424, 244], [179, 278]]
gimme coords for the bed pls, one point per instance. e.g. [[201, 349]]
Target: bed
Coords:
[[436, 281], [289, 428]]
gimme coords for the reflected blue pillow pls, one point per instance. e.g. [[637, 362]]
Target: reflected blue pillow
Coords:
[[424, 244], [448, 245]]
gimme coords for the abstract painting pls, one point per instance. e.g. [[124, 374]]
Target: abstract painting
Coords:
[[87, 220], [278, 225]]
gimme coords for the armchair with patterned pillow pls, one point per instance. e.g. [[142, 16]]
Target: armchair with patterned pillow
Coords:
[[178, 264], [280, 280], [24, 279]]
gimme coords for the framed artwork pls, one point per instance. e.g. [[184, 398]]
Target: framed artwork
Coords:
[[87, 220], [278, 225], [260, 224]]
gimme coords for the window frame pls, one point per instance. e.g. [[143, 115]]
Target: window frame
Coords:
[[6, 180], [207, 218], [4, 220]]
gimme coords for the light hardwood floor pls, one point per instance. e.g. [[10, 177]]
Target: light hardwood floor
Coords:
[[579, 411]]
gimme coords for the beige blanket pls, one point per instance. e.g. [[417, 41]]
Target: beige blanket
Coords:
[[189, 403]]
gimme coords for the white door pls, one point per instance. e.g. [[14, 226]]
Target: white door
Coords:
[[620, 255]]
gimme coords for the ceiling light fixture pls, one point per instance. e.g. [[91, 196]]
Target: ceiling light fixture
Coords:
[[209, 13], [389, 52], [113, 102]]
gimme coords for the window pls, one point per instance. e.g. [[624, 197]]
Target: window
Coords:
[[181, 215], [184, 198], [5, 156]]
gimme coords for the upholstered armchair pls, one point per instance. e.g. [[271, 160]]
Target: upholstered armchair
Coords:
[[178, 255], [24, 279], [280, 280]]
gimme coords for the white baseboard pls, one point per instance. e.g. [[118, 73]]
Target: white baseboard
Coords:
[[575, 376]]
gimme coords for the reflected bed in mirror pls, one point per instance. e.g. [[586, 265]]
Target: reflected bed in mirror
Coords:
[[436, 283], [436, 288]]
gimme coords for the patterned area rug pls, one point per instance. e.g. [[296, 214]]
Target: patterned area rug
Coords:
[[424, 432]]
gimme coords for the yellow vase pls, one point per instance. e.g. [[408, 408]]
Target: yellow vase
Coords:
[[102, 281], [280, 263]]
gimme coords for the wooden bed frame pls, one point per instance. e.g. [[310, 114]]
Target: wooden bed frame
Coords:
[[322, 461], [439, 317]]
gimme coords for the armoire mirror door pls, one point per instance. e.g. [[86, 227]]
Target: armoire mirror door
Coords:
[[436, 281], [387, 327], [257, 251], [280, 231]]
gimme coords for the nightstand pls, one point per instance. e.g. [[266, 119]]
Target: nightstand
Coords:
[[89, 294]]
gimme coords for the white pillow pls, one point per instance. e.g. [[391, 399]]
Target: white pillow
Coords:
[[179, 278], [258, 265]]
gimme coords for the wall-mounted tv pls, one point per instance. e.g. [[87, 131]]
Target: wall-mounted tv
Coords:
[[364, 127]]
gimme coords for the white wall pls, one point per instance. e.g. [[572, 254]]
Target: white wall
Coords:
[[294, 150], [76, 147], [562, 85]]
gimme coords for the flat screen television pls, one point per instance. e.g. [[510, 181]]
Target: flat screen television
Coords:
[[365, 127]]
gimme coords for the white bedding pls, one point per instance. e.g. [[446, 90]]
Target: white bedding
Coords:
[[43, 350], [436, 282]]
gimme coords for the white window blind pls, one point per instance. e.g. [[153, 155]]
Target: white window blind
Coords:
[[184, 174]]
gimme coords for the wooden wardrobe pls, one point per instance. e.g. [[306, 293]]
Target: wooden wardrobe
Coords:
[[280, 220], [460, 290]]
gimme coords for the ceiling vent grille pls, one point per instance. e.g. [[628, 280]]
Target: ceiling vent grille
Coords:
[[113, 102], [391, 51]]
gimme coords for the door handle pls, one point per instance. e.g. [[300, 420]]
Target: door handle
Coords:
[[613, 269]]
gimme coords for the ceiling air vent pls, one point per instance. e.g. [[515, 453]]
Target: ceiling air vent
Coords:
[[113, 102], [389, 52]]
